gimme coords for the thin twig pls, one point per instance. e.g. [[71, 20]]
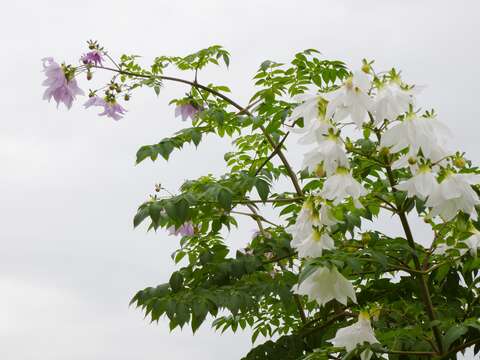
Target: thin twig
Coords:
[[274, 152]]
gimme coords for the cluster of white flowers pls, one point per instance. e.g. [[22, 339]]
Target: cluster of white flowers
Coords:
[[310, 232], [417, 142]]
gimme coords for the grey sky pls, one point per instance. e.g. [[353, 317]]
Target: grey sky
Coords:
[[70, 260]]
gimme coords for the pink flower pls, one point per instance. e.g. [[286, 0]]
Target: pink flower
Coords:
[[185, 230], [93, 57], [60, 85], [110, 108], [186, 111]]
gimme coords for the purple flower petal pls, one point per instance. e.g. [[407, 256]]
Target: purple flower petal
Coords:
[[110, 109], [185, 229], [93, 57], [62, 90], [186, 111]]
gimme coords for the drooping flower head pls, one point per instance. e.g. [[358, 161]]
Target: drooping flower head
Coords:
[[473, 242], [306, 219], [418, 133], [329, 153], [186, 229], [422, 185], [351, 100], [60, 83], [341, 186], [454, 194], [110, 107], [93, 57], [186, 111], [312, 108], [393, 98], [326, 284], [314, 245], [357, 334]]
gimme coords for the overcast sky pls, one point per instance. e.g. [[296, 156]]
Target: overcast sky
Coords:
[[70, 260]]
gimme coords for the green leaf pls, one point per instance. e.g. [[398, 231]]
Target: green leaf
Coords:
[[453, 334], [199, 313], [176, 281], [181, 210], [141, 215], [263, 189], [145, 152], [224, 198]]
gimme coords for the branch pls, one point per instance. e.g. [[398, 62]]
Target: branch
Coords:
[[272, 143], [254, 217], [421, 277], [434, 267], [399, 352], [307, 331], [255, 201], [274, 152]]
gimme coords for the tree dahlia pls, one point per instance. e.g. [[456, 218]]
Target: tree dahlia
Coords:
[[319, 279]]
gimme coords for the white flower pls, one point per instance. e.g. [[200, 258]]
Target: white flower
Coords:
[[342, 185], [356, 334], [454, 193], [329, 153], [411, 159], [327, 284], [326, 217], [308, 110], [426, 134], [422, 185], [315, 124], [473, 242], [306, 219], [391, 101], [467, 354], [314, 245], [352, 100], [315, 133]]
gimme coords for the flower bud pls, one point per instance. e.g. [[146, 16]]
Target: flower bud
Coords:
[[89, 75], [366, 237], [384, 151], [126, 97], [459, 162], [375, 313], [320, 171], [366, 68], [412, 161], [348, 145]]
